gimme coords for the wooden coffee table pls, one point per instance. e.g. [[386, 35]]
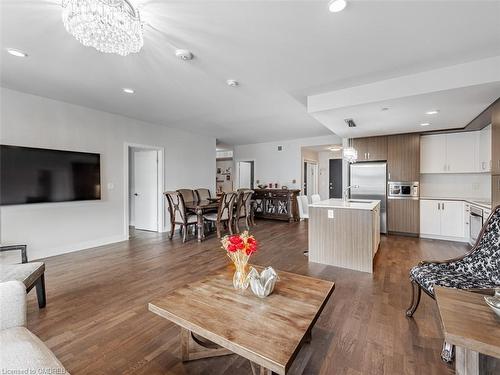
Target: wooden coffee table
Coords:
[[216, 320], [470, 325]]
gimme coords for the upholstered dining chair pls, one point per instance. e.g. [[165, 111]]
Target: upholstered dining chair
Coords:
[[224, 214], [303, 204], [243, 209], [178, 214], [202, 194], [315, 198], [476, 271], [31, 274], [188, 195]]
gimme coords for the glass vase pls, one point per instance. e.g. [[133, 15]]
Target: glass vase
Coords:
[[240, 277]]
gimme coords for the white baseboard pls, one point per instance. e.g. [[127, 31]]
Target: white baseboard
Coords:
[[49, 252], [443, 238]]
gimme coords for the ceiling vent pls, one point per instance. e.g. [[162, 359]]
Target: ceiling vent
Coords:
[[350, 122]]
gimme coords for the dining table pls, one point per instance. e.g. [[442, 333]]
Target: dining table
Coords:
[[201, 207]]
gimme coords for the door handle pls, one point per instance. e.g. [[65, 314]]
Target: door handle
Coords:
[[136, 194]]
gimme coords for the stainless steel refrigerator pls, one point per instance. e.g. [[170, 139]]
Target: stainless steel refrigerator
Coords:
[[371, 178]]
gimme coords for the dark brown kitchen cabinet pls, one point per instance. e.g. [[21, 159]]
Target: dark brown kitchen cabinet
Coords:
[[495, 190], [495, 140], [371, 148], [403, 157], [403, 216]]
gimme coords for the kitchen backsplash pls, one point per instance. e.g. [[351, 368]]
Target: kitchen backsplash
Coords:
[[468, 185]]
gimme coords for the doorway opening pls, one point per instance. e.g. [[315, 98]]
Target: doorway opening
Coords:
[[144, 189], [311, 177], [246, 174]]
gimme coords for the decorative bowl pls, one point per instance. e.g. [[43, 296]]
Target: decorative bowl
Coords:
[[494, 301], [262, 284]]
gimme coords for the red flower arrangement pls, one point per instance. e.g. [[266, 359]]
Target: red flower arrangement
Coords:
[[239, 248]]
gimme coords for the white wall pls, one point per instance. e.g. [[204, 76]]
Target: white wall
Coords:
[[283, 166], [467, 185], [55, 228]]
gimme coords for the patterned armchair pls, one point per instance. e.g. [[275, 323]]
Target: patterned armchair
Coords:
[[476, 271]]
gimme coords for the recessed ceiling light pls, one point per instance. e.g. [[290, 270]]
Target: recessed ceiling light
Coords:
[[335, 6], [232, 82], [425, 124], [184, 54], [384, 108], [16, 52], [433, 112], [128, 90]]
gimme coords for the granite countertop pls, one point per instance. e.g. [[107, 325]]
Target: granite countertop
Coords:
[[355, 204], [481, 202]]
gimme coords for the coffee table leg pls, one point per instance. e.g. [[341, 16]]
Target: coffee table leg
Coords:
[[260, 370], [466, 361], [191, 350]]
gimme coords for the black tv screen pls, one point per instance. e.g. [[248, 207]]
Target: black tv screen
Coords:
[[37, 175]]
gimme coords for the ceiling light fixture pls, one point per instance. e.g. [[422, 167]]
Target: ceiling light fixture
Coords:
[[384, 109], [433, 112], [110, 26], [16, 52], [425, 124], [232, 82], [183, 54], [128, 90], [336, 6]]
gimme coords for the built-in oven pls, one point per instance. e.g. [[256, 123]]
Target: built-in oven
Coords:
[[475, 223], [403, 190]]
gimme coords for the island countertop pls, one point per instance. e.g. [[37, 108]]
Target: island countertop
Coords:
[[356, 204]]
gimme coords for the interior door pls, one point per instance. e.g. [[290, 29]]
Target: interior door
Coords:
[[146, 190], [245, 174], [311, 179], [335, 178]]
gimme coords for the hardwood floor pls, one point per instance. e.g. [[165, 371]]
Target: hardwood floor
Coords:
[[96, 320]]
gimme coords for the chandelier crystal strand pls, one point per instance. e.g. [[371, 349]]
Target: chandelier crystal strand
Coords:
[[110, 26]]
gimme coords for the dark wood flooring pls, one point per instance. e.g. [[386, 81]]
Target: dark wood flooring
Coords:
[[96, 320]]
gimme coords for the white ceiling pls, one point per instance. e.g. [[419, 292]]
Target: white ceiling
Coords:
[[280, 51]]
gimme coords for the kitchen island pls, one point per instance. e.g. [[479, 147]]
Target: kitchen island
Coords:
[[344, 233]]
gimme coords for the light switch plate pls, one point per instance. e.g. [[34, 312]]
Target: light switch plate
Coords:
[[330, 214]]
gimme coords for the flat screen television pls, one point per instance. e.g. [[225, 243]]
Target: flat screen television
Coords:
[[37, 175]]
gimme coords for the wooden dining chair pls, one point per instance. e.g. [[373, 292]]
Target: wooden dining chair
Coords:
[[224, 214], [188, 195], [202, 194], [243, 209], [178, 214]]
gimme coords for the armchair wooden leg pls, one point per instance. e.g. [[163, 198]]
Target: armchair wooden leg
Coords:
[[415, 299], [184, 233], [237, 225], [218, 229], [40, 291], [172, 230], [448, 352]]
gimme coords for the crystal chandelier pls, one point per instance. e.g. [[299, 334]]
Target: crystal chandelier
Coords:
[[111, 26], [350, 154]]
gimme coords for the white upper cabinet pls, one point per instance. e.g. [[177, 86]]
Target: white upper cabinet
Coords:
[[485, 149], [433, 153], [465, 152], [461, 155]]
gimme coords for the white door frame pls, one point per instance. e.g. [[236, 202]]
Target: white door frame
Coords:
[[316, 163], [161, 207], [236, 168]]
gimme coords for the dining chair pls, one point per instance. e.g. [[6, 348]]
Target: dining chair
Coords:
[[303, 204], [202, 194], [178, 214], [224, 214], [188, 195], [315, 198], [243, 209]]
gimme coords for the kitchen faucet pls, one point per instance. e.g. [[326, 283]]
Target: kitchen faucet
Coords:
[[345, 195]]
